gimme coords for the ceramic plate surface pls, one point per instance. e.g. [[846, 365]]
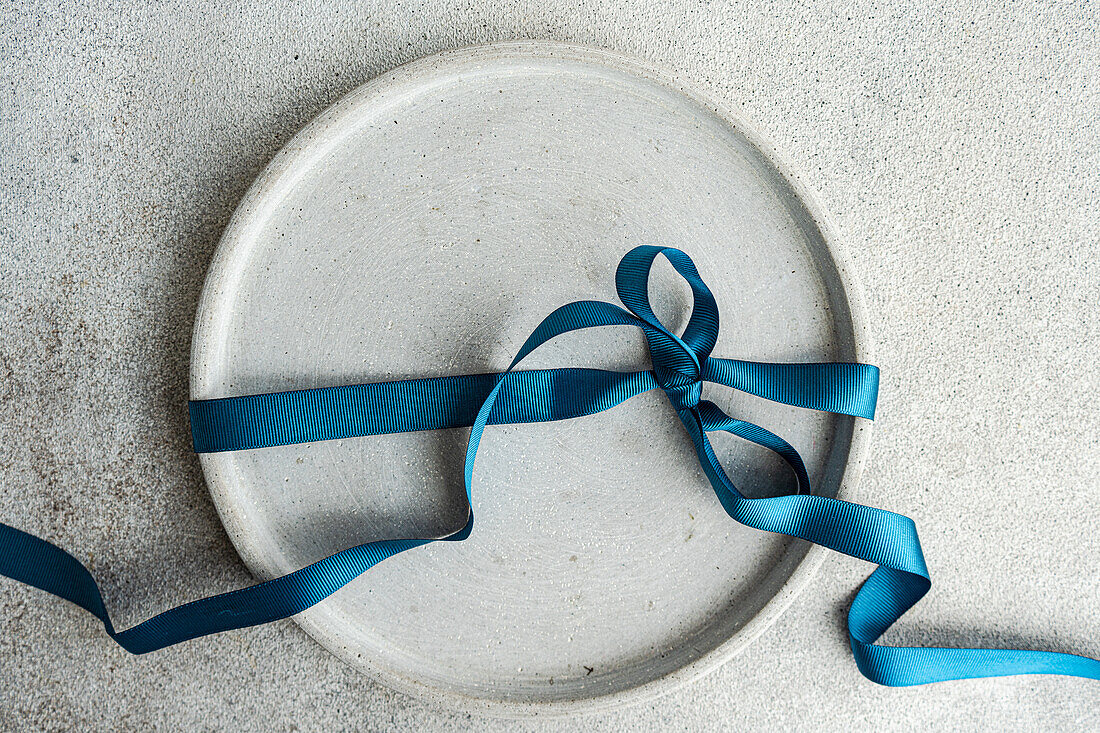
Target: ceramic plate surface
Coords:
[[423, 226]]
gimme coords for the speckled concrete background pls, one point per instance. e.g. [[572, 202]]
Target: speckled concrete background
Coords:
[[959, 149]]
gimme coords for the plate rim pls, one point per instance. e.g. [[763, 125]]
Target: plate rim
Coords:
[[219, 274]]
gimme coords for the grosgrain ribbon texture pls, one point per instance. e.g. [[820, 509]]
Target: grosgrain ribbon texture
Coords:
[[680, 366]]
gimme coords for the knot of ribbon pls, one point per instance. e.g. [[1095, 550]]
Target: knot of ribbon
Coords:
[[680, 366]]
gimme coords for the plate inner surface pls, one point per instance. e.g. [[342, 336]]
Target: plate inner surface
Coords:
[[423, 227]]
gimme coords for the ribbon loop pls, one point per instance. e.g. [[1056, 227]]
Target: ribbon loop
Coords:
[[632, 285], [678, 361]]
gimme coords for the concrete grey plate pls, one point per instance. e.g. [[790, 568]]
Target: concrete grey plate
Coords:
[[423, 226]]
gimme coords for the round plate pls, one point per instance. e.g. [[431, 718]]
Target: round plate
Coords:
[[423, 226]]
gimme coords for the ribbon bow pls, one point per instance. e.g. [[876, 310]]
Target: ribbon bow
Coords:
[[680, 365]]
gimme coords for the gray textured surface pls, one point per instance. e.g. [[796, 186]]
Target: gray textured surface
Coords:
[[959, 151]]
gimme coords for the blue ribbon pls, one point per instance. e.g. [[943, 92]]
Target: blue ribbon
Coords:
[[680, 365]]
